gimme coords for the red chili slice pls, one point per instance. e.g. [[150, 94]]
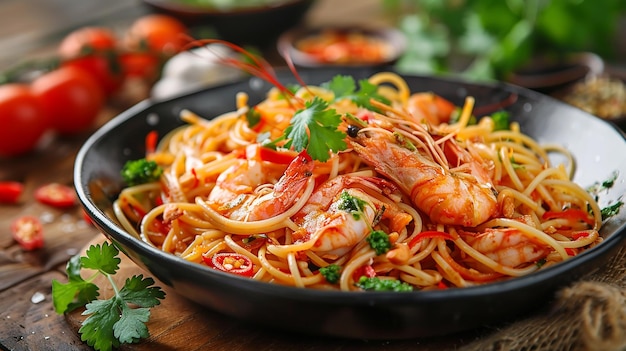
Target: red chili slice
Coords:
[[10, 192], [28, 232], [57, 195], [231, 262]]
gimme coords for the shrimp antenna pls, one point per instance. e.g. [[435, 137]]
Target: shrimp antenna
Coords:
[[256, 66]]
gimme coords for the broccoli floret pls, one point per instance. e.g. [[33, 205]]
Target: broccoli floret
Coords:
[[379, 241], [377, 284], [331, 273], [141, 171]]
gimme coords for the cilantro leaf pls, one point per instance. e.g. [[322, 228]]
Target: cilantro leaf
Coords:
[[131, 326], [97, 329], [314, 128], [76, 292], [344, 87], [102, 258], [137, 291]]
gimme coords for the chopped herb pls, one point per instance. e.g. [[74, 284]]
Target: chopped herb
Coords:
[[377, 284], [611, 210], [379, 241], [331, 273], [351, 204]]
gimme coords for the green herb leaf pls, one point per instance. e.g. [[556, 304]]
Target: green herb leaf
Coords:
[[110, 322], [314, 128], [331, 273], [344, 87]]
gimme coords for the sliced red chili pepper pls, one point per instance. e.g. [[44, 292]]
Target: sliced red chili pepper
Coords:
[[258, 152], [571, 215], [57, 195], [28, 232], [570, 252], [231, 262], [442, 285], [429, 235], [10, 192]]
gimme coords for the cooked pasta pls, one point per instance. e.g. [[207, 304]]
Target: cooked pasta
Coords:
[[414, 197]]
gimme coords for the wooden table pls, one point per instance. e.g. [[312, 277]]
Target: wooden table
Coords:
[[27, 319]]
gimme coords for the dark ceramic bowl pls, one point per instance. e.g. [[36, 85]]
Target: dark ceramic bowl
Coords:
[[254, 25], [393, 40], [598, 147]]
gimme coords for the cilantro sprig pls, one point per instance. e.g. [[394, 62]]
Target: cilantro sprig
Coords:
[[314, 128], [118, 320]]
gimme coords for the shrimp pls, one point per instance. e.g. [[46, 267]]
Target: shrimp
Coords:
[[449, 198], [237, 194], [340, 214], [431, 107], [507, 246]]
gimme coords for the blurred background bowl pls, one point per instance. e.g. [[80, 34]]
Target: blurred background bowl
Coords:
[[258, 24], [342, 46]]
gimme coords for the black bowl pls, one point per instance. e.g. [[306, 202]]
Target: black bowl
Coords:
[[254, 25], [598, 147]]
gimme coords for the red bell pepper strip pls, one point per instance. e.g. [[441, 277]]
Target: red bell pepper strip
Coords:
[[28, 232], [231, 262], [258, 152], [10, 192]]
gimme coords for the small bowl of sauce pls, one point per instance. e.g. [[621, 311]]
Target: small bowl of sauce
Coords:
[[342, 46]]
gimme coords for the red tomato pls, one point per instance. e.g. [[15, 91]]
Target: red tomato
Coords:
[[157, 33], [71, 97], [105, 70], [23, 119], [231, 262], [87, 40], [28, 232], [142, 65], [57, 195], [10, 192]]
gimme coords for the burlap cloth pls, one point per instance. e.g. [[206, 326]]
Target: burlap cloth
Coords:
[[589, 315]]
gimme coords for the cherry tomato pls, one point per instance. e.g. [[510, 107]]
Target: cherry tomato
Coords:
[[10, 192], [57, 195], [87, 40], [143, 65], [72, 98], [28, 232], [105, 69], [158, 33], [231, 262], [23, 120]]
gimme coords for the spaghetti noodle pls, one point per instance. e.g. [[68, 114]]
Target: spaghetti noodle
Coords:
[[454, 204]]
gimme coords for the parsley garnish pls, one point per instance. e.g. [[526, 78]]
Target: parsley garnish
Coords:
[[379, 241], [314, 128], [110, 322]]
